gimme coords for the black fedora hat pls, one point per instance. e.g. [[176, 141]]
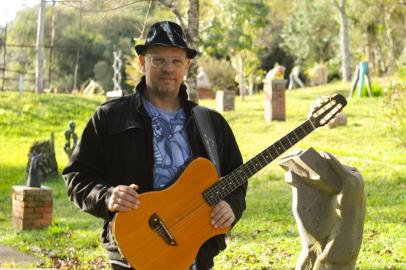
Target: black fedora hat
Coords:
[[166, 33]]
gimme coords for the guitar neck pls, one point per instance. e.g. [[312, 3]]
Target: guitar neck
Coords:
[[241, 175]]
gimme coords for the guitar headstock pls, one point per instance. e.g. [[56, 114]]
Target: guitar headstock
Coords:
[[326, 109]]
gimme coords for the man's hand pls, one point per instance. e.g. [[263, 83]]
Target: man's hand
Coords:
[[124, 198], [222, 215]]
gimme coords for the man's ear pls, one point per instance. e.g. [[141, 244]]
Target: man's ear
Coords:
[[141, 58]]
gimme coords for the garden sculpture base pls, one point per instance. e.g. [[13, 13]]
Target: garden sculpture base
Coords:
[[32, 207]]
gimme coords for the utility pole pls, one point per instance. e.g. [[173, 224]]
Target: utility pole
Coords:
[[52, 45], [75, 78], [39, 80]]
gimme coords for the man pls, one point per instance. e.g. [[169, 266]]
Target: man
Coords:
[[140, 142]]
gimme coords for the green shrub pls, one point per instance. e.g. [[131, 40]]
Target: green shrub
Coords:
[[376, 90], [220, 72]]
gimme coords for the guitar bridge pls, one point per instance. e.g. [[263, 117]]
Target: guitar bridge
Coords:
[[159, 227]]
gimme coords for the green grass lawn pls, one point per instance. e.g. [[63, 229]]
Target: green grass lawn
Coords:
[[266, 237]]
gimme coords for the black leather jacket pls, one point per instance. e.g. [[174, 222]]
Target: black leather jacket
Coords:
[[116, 148]]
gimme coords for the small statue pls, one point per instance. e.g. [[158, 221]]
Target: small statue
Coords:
[[294, 78], [33, 174], [276, 73], [70, 134]]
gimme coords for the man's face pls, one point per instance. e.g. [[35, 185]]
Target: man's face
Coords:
[[164, 68]]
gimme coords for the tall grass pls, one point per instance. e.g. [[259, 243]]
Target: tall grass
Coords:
[[266, 237]]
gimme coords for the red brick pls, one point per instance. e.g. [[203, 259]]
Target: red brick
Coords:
[[43, 210], [47, 204], [48, 216], [204, 93], [275, 97], [27, 222], [32, 207], [28, 210], [38, 223]]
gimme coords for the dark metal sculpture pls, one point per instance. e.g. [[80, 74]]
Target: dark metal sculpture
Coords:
[[70, 135], [33, 179]]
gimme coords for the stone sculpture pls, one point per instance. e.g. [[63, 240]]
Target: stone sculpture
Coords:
[[328, 203], [318, 74], [294, 79]]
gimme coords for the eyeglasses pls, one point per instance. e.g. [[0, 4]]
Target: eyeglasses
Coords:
[[158, 61]]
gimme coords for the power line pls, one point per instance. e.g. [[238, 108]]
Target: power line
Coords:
[[101, 10]]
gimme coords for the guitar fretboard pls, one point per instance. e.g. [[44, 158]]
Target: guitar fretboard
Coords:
[[241, 175]]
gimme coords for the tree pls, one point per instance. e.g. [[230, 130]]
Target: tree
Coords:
[[102, 33], [234, 33], [379, 33], [193, 37], [309, 35], [389, 12], [344, 41]]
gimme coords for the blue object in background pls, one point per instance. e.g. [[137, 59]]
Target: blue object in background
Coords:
[[363, 71]]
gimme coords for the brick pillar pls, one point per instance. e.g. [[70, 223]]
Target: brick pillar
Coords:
[[275, 100], [225, 101], [32, 207]]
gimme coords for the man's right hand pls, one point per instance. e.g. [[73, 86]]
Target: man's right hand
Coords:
[[124, 198]]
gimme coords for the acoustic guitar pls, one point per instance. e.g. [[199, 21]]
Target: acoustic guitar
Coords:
[[170, 225]]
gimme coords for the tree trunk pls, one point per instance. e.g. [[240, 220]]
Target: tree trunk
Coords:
[[344, 41], [391, 44], [241, 76], [370, 52], [193, 40], [379, 63]]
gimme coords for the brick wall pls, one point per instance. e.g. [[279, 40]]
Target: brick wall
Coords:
[[32, 207]]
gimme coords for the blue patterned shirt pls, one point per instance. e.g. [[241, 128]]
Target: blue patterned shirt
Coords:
[[171, 146]]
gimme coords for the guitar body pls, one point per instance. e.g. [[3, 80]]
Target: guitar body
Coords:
[[184, 213]]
